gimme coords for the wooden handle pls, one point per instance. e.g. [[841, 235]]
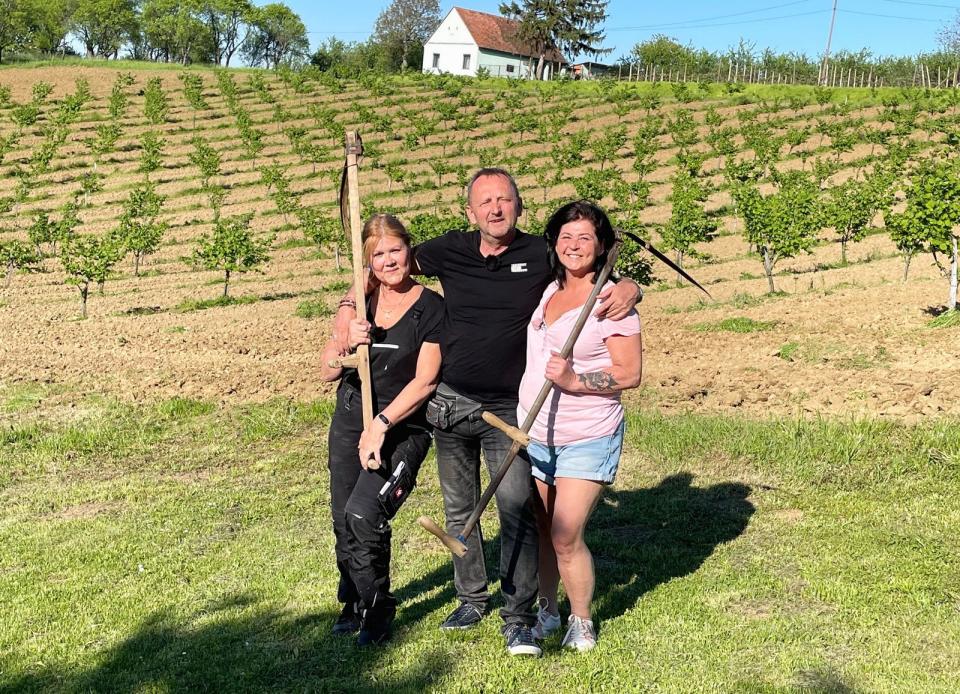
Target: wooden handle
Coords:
[[351, 361], [356, 245], [513, 432], [542, 396], [451, 543]]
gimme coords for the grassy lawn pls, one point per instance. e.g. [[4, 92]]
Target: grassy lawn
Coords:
[[182, 546]]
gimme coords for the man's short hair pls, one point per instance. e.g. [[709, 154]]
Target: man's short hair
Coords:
[[493, 171]]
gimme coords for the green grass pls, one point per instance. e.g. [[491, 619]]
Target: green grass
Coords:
[[740, 300], [294, 242], [314, 308], [337, 286], [947, 319], [189, 305], [181, 546], [736, 324], [815, 352]]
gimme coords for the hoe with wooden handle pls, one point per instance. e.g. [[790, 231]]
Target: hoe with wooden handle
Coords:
[[359, 360], [457, 544]]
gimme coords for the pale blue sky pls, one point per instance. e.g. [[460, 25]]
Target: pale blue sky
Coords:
[[886, 27]]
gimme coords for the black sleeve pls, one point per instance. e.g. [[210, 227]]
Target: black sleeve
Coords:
[[432, 317], [430, 254]]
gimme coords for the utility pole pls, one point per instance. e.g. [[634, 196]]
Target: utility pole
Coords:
[[825, 65]]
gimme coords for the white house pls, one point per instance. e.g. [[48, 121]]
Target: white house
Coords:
[[467, 40]]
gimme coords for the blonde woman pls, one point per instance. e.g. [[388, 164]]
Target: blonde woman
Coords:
[[404, 335]]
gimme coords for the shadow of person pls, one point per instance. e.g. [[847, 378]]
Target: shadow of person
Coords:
[[641, 538], [414, 607], [234, 645]]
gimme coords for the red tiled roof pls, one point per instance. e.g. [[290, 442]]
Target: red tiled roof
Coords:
[[500, 34]]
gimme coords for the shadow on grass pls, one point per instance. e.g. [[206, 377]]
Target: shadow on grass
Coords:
[[236, 646], [641, 538]]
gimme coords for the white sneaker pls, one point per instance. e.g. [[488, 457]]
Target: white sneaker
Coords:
[[580, 634], [546, 623]]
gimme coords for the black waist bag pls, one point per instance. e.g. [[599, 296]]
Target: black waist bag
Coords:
[[447, 407]]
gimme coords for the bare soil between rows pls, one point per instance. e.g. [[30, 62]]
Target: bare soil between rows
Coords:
[[851, 341]]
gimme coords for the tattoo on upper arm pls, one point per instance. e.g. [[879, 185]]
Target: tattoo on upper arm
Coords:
[[598, 380]]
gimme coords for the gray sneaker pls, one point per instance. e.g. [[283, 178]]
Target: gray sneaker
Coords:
[[520, 641], [580, 634], [547, 623], [465, 616]]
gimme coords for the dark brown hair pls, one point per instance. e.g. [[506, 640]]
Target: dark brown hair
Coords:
[[571, 212]]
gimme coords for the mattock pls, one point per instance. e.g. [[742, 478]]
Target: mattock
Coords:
[[519, 436], [359, 360]]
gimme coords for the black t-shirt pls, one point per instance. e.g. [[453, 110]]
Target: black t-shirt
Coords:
[[487, 305], [394, 351]]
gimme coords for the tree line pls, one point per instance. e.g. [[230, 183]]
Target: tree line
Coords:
[[182, 31], [668, 56]]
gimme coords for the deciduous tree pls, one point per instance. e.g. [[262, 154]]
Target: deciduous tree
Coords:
[[231, 248], [141, 229], [14, 28], [277, 36], [151, 152], [103, 26], [17, 255], [932, 216], [569, 26], [175, 30], [782, 224], [227, 22], [689, 223], [851, 207], [49, 22], [404, 26], [89, 259]]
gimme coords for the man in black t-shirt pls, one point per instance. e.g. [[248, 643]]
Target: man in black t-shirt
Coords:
[[492, 280]]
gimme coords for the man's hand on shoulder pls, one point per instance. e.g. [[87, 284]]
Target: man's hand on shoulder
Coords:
[[617, 301]]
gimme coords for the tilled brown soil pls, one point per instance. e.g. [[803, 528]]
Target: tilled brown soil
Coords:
[[850, 341]]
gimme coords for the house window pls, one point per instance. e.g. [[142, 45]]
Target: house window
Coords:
[[466, 61], [436, 60], [511, 68]]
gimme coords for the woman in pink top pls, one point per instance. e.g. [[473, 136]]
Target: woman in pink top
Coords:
[[577, 437]]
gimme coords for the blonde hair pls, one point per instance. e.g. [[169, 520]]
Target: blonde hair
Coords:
[[381, 226]]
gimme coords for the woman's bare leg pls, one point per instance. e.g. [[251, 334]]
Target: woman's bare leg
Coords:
[[573, 503], [549, 576]]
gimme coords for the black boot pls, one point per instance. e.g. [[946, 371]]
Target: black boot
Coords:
[[348, 622], [375, 623]]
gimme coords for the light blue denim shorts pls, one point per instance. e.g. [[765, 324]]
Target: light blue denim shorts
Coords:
[[594, 459]]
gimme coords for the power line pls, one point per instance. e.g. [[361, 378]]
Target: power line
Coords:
[[922, 4], [892, 16], [721, 24], [710, 19]]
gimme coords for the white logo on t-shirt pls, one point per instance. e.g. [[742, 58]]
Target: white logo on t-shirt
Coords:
[[518, 267]]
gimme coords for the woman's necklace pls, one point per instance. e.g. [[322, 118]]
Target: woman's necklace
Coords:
[[388, 311]]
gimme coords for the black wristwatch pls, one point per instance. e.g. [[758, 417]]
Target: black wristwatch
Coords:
[[383, 418]]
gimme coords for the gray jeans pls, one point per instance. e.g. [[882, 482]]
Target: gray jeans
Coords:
[[458, 463]]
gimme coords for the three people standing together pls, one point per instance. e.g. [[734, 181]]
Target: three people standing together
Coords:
[[506, 293]]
